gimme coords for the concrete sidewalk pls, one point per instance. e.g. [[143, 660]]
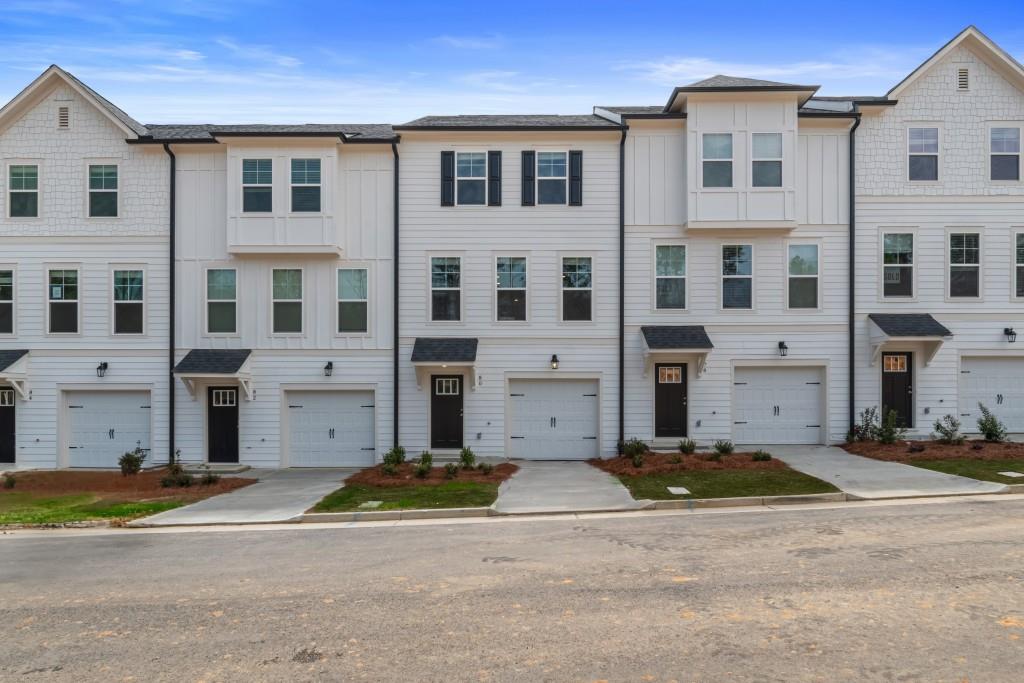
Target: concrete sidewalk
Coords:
[[873, 479], [561, 486], [278, 496]]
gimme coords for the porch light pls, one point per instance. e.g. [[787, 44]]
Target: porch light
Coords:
[[783, 349], [1011, 336], [101, 369], [554, 361], [329, 368]]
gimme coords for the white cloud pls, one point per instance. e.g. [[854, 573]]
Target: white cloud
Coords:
[[470, 42], [258, 53]]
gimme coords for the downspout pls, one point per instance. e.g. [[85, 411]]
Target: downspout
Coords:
[[851, 331], [394, 313], [622, 288], [171, 307]]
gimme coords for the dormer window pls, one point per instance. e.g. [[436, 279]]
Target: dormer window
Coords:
[[766, 155], [716, 153]]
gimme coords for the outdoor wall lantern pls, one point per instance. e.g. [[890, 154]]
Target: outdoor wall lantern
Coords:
[[329, 368], [783, 349], [554, 361], [1011, 336], [101, 369]]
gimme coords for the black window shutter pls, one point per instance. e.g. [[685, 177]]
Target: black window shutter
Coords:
[[494, 179], [447, 178], [529, 170], [576, 178]]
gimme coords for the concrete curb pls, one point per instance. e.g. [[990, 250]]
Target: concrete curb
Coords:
[[393, 515], [749, 501]]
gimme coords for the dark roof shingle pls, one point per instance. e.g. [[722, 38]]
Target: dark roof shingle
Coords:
[[666, 337], [207, 132], [8, 358], [504, 121], [212, 361], [722, 82], [444, 350], [909, 325]]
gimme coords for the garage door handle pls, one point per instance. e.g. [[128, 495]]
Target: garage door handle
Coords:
[[111, 433]]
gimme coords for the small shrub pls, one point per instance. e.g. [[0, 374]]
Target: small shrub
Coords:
[[395, 456], [761, 456], [977, 446], [451, 470], [422, 471], [724, 447], [866, 428], [176, 477], [388, 469], [890, 432], [10, 481], [713, 456], [687, 446], [486, 467], [131, 462], [468, 458], [209, 477], [675, 458], [915, 448], [638, 460], [427, 458], [990, 427], [947, 431], [633, 448]]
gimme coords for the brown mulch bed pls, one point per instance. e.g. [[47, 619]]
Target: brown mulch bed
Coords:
[[933, 450], [657, 463], [142, 486], [372, 476]]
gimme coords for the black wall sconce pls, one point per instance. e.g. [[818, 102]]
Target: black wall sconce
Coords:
[[554, 361], [101, 369], [783, 349], [1011, 336], [329, 368]]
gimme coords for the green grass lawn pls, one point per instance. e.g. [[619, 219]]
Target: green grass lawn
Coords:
[[30, 508], [725, 484], [456, 494], [986, 470]]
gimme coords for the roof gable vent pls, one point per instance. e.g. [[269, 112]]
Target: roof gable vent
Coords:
[[63, 117], [963, 79]]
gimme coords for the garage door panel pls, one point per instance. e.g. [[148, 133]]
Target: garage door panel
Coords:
[[103, 425], [998, 383], [553, 419], [331, 428], [778, 405]]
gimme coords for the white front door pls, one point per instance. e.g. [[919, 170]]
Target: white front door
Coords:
[[104, 425], [553, 419], [998, 383], [778, 405], [330, 428]]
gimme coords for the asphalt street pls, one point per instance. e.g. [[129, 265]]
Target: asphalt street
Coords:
[[923, 592]]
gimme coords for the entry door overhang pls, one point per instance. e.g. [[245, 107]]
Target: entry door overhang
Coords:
[[669, 342], [210, 366], [885, 329]]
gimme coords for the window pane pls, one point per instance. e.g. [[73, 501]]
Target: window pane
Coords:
[[551, 164], [127, 318], [305, 171], [718, 145], [1020, 281], [551, 191], [670, 292], [24, 177], [670, 260], [352, 283], [287, 316], [511, 272], [220, 284], [472, 192], [6, 285], [511, 304], [717, 174], [736, 292], [963, 281], [576, 304], [306, 199], [1005, 140], [220, 317], [803, 259], [1020, 248], [736, 259], [803, 292], [924, 168], [257, 172], [24, 204], [471, 165], [964, 249], [767, 146], [127, 285], [6, 318], [257, 199], [767, 174], [898, 249], [102, 204], [899, 281], [444, 304], [352, 316], [63, 318], [103, 177], [445, 271], [1005, 167], [576, 272], [287, 284], [924, 140], [63, 285]]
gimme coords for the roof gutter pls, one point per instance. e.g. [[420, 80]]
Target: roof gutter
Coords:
[[852, 266], [622, 289], [171, 218], [394, 293]]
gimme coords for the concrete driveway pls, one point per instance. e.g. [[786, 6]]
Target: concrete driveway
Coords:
[[278, 496], [872, 479], [561, 486]]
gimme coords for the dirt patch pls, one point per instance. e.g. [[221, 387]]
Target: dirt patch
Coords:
[[934, 450], [658, 463], [113, 485], [372, 476]]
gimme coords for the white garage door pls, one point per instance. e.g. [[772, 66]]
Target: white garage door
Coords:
[[553, 419], [330, 428], [778, 405], [996, 382], [103, 425]]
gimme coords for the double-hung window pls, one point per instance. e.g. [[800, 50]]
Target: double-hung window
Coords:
[[1019, 265], [552, 177], [1004, 153], [737, 276], [670, 277], [102, 190], [471, 178], [287, 300], [510, 281], [306, 185], [221, 301], [964, 265], [923, 153], [716, 159], [257, 185], [898, 265], [353, 301], [129, 309], [23, 187], [803, 275], [6, 302], [766, 164], [577, 288], [445, 288], [62, 298]]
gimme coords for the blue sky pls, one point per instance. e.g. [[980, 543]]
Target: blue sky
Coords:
[[255, 61]]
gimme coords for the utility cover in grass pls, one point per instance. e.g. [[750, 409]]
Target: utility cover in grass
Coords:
[[1012, 475], [678, 490], [370, 504]]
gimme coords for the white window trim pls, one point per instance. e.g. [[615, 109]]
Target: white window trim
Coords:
[[14, 300], [722, 276], [537, 178], [525, 290], [113, 304], [562, 288], [77, 267], [273, 172], [780, 159], [970, 230], [1020, 154], [938, 155], [685, 278], [484, 178], [731, 160], [460, 289], [1017, 230], [207, 301], [881, 263], [119, 191], [301, 300], [39, 189], [321, 185], [785, 270], [339, 300]]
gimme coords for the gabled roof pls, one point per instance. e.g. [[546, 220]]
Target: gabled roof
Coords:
[[9, 358], [670, 337], [982, 46], [212, 362], [909, 325], [722, 83], [209, 132], [510, 122], [444, 350]]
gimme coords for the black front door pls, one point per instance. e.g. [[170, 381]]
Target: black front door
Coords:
[[446, 411], [898, 387], [222, 424], [670, 400], [7, 425]]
